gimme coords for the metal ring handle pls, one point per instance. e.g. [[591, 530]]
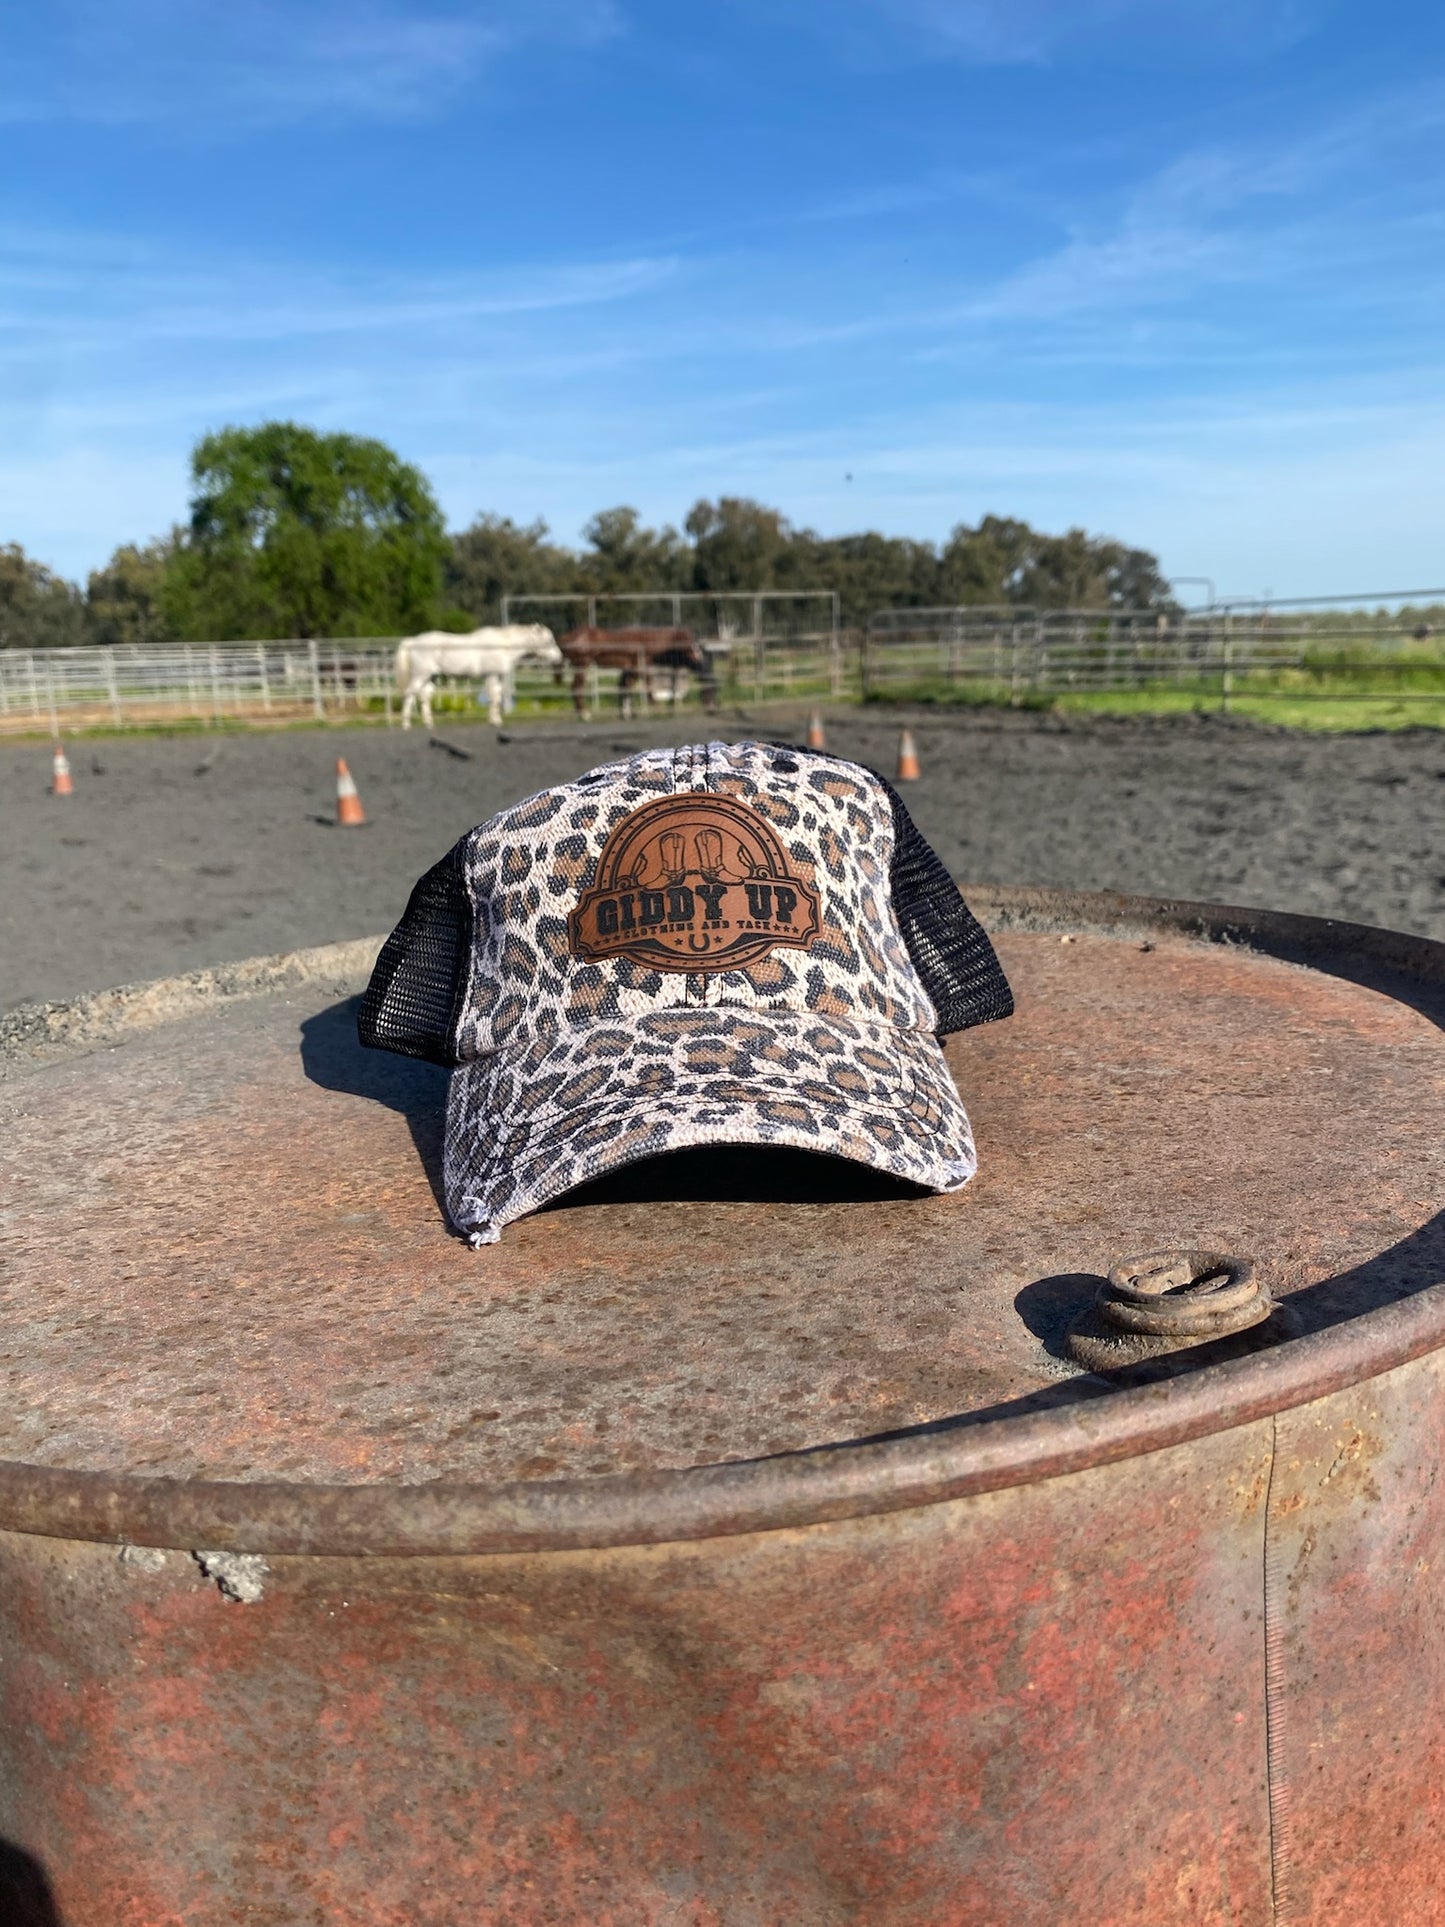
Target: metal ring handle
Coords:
[[1182, 1293]]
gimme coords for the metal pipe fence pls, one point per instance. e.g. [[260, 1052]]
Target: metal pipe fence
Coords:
[[1004, 654], [56, 690], [1019, 654], [726, 615], [205, 682]]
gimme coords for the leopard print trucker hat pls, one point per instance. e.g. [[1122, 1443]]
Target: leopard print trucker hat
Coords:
[[731, 943]]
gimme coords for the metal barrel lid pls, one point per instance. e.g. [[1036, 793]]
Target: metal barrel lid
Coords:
[[232, 1314]]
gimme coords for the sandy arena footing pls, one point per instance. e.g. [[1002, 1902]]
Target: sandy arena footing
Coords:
[[179, 852]]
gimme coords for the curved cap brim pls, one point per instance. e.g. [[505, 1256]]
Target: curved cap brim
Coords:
[[525, 1128]]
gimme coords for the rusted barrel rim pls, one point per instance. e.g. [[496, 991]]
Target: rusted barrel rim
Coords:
[[801, 1488]]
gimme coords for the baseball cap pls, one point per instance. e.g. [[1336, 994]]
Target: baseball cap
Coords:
[[724, 944]]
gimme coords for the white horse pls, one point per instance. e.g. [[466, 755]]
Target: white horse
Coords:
[[486, 655]]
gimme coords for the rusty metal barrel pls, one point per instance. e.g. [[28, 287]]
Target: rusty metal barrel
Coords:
[[737, 1545]]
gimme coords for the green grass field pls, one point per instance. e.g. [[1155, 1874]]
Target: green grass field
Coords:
[[1343, 710], [1335, 691]]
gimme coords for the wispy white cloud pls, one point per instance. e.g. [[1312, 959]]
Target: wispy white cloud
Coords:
[[1236, 350], [437, 304], [1010, 32], [103, 294], [1251, 214], [254, 63], [1216, 221]]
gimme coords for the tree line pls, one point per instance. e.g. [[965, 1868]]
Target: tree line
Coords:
[[297, 533]]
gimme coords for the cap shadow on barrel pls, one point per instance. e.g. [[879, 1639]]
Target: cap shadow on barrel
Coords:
[[332, 1057], [26, 1896]]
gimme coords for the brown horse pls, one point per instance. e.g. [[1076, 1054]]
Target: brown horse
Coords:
[[640, 654]]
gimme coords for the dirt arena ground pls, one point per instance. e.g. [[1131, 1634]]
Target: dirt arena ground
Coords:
[[176, 852]]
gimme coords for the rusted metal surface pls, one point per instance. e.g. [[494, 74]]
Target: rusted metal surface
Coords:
[[1171, 1301], [932, 1718], [255, 1282], [33, 1033], [1356, 1649], [1183, 1293], [725, 1561], [919, 1720]]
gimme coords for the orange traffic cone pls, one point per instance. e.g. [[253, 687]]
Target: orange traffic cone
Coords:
[[348, 803], [60, 783], [817, 735], [908, 770]]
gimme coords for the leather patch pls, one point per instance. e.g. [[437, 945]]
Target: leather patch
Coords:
[[694, 882]]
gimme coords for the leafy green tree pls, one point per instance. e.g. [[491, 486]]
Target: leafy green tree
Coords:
[[296, 533], [738, 544], [872, 571], [735, 545], [38, 608], [1006, 561], [984, 565], [123, 600], [624, 558], [1132, 579], [496, 557]]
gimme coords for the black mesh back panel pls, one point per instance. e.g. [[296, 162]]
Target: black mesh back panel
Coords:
[[949, 946], [413, 1002]]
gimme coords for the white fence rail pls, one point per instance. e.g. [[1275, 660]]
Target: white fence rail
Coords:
[[742, 615], [1007, 654], [92, 687], [191, 681], [1020, 653]]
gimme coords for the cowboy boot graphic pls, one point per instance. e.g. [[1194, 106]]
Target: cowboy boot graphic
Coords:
[[674, 856], [709, 853]]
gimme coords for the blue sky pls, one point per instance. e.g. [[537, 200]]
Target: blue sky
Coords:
[[1170, 269]]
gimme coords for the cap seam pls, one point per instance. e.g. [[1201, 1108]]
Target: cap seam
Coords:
[[466, 976]]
